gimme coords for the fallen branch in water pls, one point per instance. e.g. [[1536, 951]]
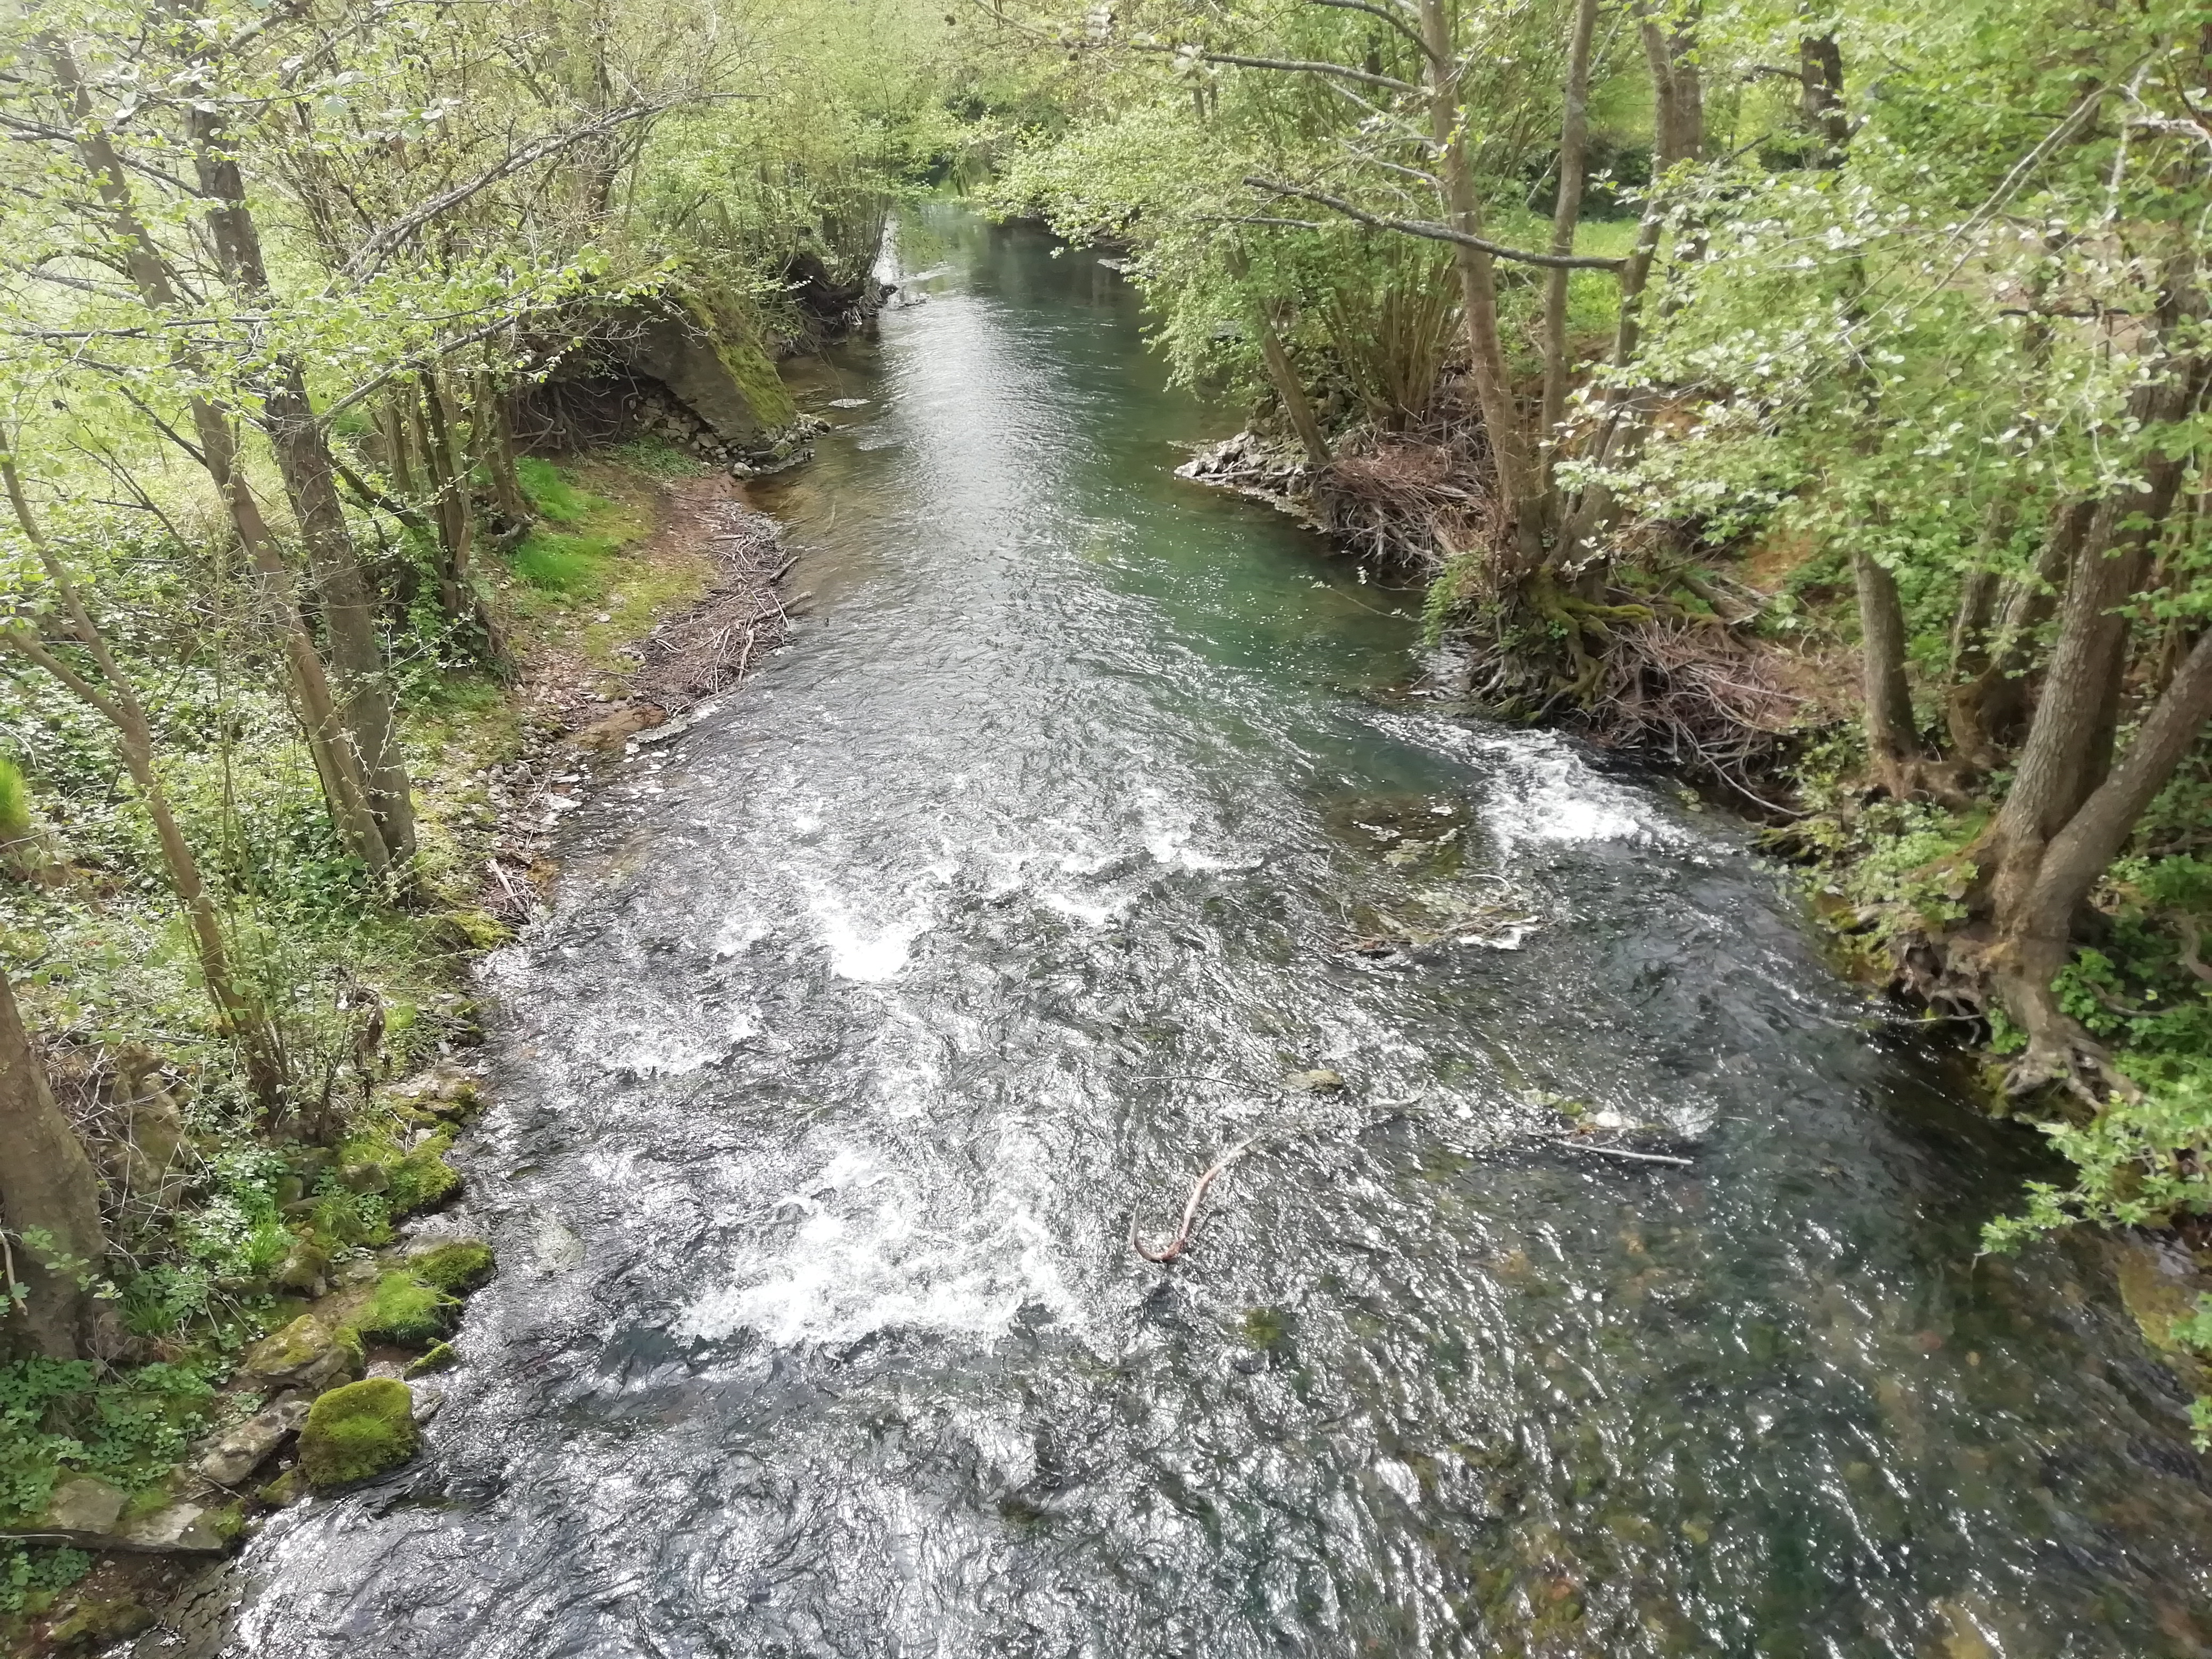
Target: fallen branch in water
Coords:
[[1181, 1242], [1619, 1151]]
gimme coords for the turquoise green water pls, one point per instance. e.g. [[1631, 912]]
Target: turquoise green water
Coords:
[[1085, 808]]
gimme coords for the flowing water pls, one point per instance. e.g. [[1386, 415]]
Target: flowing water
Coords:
[[1002, 903]]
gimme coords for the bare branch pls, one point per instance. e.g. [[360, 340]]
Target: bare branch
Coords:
[[1434, 231], [1294, 66], [379, 247], [1392, 18]]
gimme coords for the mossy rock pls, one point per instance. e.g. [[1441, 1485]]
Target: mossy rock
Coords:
[[456, 1268], [422, 1178], [99, 1622], [357, 1433], [405, 1311], [305, 1354], [441, 1357], [469, 930]]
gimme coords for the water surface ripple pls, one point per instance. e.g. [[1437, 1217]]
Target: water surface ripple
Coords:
[[1002, 903]]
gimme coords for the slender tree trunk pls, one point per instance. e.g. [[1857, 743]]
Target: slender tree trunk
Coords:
[[495, 421], [1984, 714], [46, 1187], [1678, 137], [1282, 373], [369, 722], [116, 700], [1521, 493], [344, 787], [1893, 735], [1567, 216]]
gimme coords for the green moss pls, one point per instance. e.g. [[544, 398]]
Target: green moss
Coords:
[[15, 803], [456, 1268], [437, 1359], [423, 1177], [405, 1311], [358, 1432]]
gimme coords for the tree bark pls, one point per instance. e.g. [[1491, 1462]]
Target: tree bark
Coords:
[[496, 420], [1520, 492], [46, 1187], [1567, 216], [369, 722], [1893, 735]]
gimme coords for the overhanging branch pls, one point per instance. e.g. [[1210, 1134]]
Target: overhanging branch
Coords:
[[1434, 231]]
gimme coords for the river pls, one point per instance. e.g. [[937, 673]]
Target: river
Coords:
[[1085, 810]]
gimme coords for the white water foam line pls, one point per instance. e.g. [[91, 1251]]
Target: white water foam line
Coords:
[[1539, 790]]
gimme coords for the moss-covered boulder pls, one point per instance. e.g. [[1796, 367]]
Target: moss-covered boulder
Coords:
[[305, 1354], [358, 1432], [423, 1179], [456, 1268], [405, 1311], [702, 350]]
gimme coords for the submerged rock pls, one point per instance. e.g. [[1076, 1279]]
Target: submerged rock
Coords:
[[358, 1432], [1320, 1082]]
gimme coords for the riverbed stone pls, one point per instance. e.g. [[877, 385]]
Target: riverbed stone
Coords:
[[243, 1448], [176, 1529], [1321, 1081], [358, 1432], [306, 1354], [84, 1504]]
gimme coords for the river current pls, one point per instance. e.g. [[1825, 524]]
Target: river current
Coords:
[[1085, 809]]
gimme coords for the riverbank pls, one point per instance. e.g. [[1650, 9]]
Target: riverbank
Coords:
[[1751, 696], [293, 1263]]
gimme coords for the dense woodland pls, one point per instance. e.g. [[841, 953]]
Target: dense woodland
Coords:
[[1812, 398]]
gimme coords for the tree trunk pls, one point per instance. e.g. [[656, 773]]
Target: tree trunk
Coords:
[[46, 1187], [1282, 373], [367, 721], [1984, 714], [1893, 735], [343, 788], [1820, 96], [1567, 216], [1678, 137], [496, 420], [1520, 493]]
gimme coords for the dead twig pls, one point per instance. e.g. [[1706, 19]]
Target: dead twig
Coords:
[[1181, 1242]]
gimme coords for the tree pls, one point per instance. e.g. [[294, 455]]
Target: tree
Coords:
[[49, 1200]]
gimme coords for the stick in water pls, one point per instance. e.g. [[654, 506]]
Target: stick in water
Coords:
[[1181, 1242], [1620, 1152]]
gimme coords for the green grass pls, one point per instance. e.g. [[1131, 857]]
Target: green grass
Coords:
[[556, 563], [656, 458], [556, 497]]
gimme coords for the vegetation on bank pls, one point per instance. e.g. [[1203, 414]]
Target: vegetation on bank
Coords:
[[1814, 397], [350, 357]]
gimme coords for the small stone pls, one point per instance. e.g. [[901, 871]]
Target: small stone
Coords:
[[286, 1490], [302, 1267], [428, 1403], [245, 1448], [99, 1623], [1320, 1082], [365, 1178], [440, 1357], [180, 1529], [86, 1504], [608, 734]]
